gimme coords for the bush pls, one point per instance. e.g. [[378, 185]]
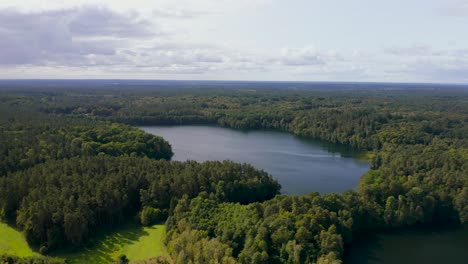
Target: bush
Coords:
[[150, 216]]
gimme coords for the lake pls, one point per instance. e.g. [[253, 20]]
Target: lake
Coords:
[[304, 165], [429, 245], [300, 165]]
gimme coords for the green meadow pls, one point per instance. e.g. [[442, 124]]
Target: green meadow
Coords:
[[136, 242], [13, 242]]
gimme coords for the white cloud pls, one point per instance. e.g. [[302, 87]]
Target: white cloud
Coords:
[[155, 39], [457, 8], [417, 49], [428, 64], [306, 56], [71, 36], [94, 37]]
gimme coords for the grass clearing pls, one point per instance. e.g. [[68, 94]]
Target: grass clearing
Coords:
[[12, 242], [136, 242]]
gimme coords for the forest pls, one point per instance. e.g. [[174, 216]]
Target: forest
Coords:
[[72, 162]]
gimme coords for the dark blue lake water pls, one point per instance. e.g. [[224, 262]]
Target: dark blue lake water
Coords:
[[300, 165]]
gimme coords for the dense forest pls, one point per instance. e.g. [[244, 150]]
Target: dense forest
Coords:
[[64, 201], [26, 142], [7, 259], [72, 163]]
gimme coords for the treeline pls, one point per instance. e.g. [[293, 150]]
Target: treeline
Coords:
[[27, 141], [9, 259], [363, 119], [65, 202], [419, 183]]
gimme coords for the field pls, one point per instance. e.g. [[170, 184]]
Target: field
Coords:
[[13, 242], [136, 242]]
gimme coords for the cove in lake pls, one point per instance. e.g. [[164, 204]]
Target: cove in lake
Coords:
[[300, 165]]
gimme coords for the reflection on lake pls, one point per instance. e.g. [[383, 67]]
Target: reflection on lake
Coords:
[[428, 245]]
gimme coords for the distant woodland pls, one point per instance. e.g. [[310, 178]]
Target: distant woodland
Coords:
[[72, 162]]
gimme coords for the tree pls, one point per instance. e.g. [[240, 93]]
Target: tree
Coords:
[[150, 216]]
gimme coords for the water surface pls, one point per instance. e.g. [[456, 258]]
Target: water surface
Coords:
[[300, 165], [428, 245]]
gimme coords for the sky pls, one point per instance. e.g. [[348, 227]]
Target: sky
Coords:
[[273, 40]]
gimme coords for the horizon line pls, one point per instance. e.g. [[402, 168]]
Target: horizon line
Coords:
[[239, 81]]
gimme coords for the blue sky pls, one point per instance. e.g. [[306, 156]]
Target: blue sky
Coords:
[[294, 40]]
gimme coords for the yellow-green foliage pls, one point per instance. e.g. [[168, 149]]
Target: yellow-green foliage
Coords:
[[13, 242]]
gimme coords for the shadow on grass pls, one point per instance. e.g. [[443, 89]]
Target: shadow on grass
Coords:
[[105, 245]]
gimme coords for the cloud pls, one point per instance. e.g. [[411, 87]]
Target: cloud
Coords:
[[455, 9], [424, 50], [164, 38], [300, 57], [177, 57], [96, 36], [71, 36], [94, 21], [179, 13], [429, 64], [438, 71], [417, 49], [105, 40]]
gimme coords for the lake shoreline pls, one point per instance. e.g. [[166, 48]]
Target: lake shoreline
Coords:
[[301, 165]]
